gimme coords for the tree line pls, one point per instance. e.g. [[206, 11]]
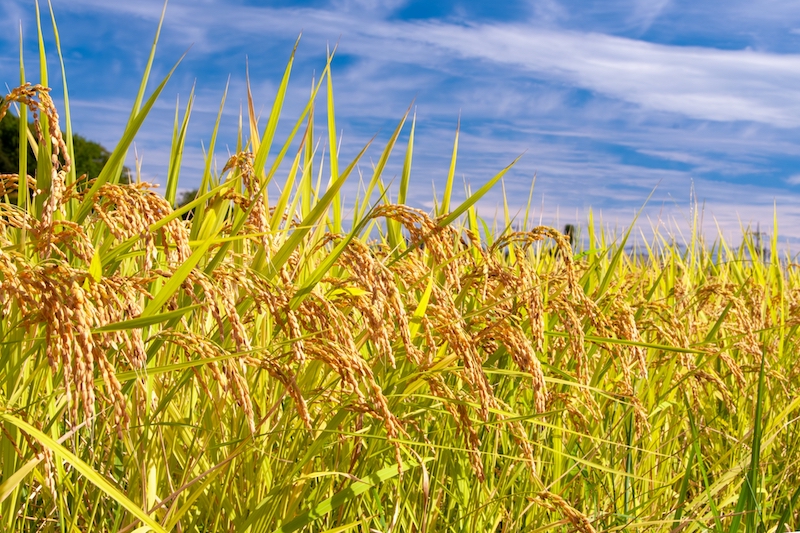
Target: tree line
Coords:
[[90, 157]]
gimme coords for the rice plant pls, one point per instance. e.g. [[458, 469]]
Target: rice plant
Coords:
[[263, 366]]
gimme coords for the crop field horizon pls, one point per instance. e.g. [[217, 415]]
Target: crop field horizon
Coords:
[[268, 357]]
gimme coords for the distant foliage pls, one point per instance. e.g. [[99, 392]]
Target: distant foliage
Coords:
[[9, 146], [184, 198], [90, 157]]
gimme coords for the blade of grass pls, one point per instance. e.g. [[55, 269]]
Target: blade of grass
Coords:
[[378, 171], [274, 115], [405, 176], [67, 120], [395, 235], [469, 202], [333, 154], [117, 167], [748, 498], [178, 277], [611, 269], [22, 195], [145, 321], [205, 183], [330, 430], [324, 266], [44, 165], [87, 471], [786, 515], [176, 152], [444, 208], [283, 200], [319, 210], [342, 497], [118, 155], [626, 342], [698, 454]]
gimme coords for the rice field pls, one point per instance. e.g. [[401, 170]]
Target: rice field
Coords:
[[265, 365]]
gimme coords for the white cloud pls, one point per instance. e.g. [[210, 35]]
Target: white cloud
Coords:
[[11, 16], [699, 83], [696, 82], [374, 6]]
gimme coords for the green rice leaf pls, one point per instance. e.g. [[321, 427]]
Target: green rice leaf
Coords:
[[44, 164], [12, 482], [319, 210], [620, 251], [205, 183], [176, 152], [22, 199], [378, 170], [265, 142], [405, 177], [117, 156], [342, 497], [67, 118], [177, 279], [448, 187], [330, 430], [96, 267], [333, 155], [145, 321], [480, 193], [87, 471]]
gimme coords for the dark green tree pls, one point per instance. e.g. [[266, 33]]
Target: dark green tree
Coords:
[[185, 198], [9, 147], [90, 157]]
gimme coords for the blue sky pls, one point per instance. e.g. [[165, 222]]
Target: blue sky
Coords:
[[607, 100]]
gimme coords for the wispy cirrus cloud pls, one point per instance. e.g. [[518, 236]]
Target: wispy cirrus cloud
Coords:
[[699, 83]]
